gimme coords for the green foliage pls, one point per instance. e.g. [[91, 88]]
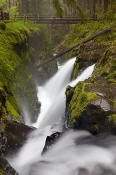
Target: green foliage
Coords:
[[105, 57], [15, 75], [79, 32], [70, 4], [58, 7], [15, 59], [2, 3], [74, 4], [112, 75], [14, 11]]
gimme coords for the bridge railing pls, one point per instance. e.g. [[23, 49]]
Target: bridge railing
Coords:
[[49, 20]]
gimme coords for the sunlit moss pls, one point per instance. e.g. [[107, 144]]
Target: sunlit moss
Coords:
[[12, 110], [15, 75], [79, 101]]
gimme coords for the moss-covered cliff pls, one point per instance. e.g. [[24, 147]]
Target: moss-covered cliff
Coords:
[[21, 46], [91, 104], [17, 59]]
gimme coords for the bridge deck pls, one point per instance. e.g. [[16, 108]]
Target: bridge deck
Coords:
[[50, 20], [54, 20]]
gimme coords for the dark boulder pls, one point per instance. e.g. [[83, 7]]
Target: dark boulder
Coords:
[[94, 119], [51, 140], [16, 134]]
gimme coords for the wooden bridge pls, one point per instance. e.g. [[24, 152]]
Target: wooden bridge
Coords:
[[51, 20]]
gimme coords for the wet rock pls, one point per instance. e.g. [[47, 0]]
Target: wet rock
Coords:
[[51, 140], [102, 103], [5, 168], [11, 139], [92, 104], [93, 119], [16, 134], [88, 54]]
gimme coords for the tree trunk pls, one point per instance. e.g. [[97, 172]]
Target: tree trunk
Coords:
[[9, 3], [20, 6], [99, 2], [92, 4], [76, 46], [105, 5]]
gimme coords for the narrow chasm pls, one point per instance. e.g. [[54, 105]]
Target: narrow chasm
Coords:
[[57, 87]]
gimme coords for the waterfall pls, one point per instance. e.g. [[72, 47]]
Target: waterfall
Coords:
[[52, 96], [29, 160]]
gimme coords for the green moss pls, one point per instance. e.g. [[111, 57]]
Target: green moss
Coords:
[[112, 118], [80, 100], [104, 74], [112, 81], [79, 32], [105, 57], [112, 75], [1, 172], [15, 74], [12, 110], [76, 69]]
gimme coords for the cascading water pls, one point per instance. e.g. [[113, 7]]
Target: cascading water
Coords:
[[69, 156], [52, 97]]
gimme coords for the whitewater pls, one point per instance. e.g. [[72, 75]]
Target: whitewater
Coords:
[[75, 153]]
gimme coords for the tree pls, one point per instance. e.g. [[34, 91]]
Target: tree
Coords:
[[2, 3], [92, 8], [69, 3], [104, 5]]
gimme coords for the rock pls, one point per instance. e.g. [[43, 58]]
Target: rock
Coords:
[[5, 168], [93, 119], [16, 134], [88, 54], [51, 140], [91, 105], [11, 140], [102, 103]]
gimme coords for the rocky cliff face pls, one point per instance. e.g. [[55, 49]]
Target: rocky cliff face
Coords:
[[91, 105], [12, 136]]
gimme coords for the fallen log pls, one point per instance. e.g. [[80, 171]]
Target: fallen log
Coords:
[[76, 46]]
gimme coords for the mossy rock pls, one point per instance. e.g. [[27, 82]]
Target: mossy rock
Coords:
[[80, 99], [76, 69], [2, 26], [112, 118], [3, 112]]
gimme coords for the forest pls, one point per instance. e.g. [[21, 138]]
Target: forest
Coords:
[[57, 87]]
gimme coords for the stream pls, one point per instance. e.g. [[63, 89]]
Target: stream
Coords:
[[76, 152]]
